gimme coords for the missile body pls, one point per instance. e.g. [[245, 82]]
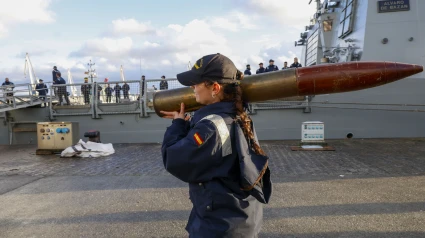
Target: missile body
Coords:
[[312, 80]]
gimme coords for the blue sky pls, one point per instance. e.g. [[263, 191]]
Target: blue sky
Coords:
[[155, 37]]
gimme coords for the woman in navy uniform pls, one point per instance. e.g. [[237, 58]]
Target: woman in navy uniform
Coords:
[[218, 154]]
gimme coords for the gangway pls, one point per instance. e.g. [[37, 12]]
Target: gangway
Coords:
[[17, 96]]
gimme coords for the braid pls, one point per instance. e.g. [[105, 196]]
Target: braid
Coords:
[[233, 93]]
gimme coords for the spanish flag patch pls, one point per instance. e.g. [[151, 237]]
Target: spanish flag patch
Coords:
[[198, 139]]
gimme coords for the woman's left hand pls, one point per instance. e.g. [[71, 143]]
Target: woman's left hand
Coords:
[[175, 114]]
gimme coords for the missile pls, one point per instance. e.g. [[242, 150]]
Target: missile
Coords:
[[312, 80]]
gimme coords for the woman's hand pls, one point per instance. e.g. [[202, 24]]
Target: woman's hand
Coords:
[[176, 115]]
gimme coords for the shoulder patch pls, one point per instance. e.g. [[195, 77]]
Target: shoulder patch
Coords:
[[198, 139]]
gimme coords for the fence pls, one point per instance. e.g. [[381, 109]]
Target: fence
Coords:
[[116, 97], [74, 102], [154, 85], [19, 96]]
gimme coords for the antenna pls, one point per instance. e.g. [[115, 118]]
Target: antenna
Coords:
[[91, 72]]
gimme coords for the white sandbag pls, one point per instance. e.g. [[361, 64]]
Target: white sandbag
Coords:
[[89, 149]]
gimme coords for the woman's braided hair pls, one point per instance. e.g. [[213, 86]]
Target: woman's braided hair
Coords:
[[232, 92]]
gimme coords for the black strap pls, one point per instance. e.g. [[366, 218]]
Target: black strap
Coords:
[[75, 149]]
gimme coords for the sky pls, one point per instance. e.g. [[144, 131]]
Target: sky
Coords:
[[152, 38]]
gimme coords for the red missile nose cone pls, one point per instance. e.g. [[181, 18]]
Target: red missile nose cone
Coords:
[[395, 71]]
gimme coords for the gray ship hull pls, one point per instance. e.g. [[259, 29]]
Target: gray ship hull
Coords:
[[394, 110], [365, 119]]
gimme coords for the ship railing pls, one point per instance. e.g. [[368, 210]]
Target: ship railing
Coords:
[[154, 85], [18, 96], [98, 99], [118, 97], [77, 93]]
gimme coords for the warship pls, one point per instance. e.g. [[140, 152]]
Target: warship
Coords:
[[361, 85], [339, 32]]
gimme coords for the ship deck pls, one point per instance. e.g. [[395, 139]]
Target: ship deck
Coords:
[[365, 188]]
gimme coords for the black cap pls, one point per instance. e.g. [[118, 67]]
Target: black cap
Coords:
[[248, 65], [163, 77], [40, 80], [216, 67], [271, 60]]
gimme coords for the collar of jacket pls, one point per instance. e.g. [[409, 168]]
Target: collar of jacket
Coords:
[[215, 108]]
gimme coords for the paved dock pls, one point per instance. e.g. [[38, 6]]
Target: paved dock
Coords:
[[365, 188]]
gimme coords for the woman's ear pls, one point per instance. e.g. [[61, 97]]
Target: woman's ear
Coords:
[[216, 88]]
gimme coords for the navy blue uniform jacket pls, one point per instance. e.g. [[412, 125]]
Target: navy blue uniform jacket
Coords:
[[42, 89], [211, 154]]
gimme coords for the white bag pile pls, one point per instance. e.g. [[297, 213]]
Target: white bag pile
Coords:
[[88, 149]]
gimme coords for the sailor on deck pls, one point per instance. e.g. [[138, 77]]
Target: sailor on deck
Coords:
[[86, 90], [9, 88], [295, 64], [42, 90], [271, 66], [117, 89]]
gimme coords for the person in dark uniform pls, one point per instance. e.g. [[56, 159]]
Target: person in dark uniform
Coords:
[[55, 79], [86, 91], [125, 90], [117, 90], [271, 66], [108, 91], [42, 90], [295, 64], [99, 91], [10, 88], [163, 85], [217, 153], [62, 89], [285, 65], [261, 69], [247, 70]]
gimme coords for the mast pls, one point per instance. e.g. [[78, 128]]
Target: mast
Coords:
[[28, 68], [91, 72], [122, 74], [71, 81]]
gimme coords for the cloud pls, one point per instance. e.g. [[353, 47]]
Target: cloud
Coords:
[[105, 47], [178, 45], [176, 27], [251, 34], [234, 21], [132, 26], [36, 52], [112, 68], [289, 13], [24, 11], [3, 30]]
